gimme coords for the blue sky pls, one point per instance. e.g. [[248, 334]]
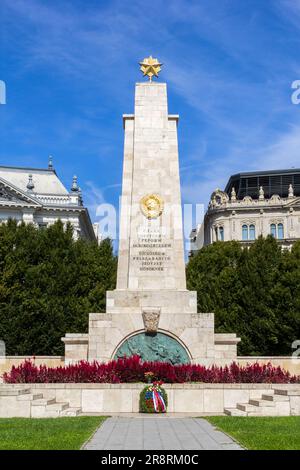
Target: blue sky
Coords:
[[70, 69]]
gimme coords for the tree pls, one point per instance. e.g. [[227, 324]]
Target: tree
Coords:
[[253, 292], [48, 285]]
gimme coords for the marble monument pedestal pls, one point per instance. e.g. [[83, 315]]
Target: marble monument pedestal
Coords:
[[178, 319]]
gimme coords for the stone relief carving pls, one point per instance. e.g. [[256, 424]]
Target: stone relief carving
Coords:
[[6, 195], [151, 319], [218, 197], [155, 348]]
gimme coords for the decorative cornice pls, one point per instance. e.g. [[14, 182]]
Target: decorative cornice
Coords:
[[249, 203]]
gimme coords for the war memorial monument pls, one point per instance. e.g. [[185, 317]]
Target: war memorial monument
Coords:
[[151, 313]]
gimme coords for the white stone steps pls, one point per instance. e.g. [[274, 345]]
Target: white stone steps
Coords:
[[246, 407], [55, 410], [71, 411], [275, 398], [234, 412], [43, 402], [263, 412], [253, 410], [44, 413], [57, 406], [275, 403], [30, 396], [40, 407], [285, 392], [261, 402]]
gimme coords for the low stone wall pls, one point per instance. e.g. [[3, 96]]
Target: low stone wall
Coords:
[[6, 362], [124, 398], [183, 398]]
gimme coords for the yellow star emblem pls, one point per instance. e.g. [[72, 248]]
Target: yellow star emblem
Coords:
[[150, 67]]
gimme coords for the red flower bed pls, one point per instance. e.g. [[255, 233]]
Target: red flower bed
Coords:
[[132, 369]]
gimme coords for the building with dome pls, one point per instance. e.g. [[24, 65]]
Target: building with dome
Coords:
[[253, 204]]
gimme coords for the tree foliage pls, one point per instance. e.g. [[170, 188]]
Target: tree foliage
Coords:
[[253, 292], [48, 285]]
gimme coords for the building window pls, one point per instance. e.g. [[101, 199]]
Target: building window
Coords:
[[248, 232], [252, 232], [277, 231], [273, 230], [280, 231], [245, 232], [219, 232]]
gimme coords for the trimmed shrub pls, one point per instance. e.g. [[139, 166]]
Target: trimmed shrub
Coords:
[[132, 369]]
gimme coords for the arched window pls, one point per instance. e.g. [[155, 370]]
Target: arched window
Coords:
[[221, 234], [252, 232], [245, 235], [273, 230], [277, 231], [280, 231]]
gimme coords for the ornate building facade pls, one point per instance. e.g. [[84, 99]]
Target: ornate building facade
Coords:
[[253, 204], [39, 197]]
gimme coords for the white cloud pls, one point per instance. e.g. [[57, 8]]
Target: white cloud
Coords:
[[283, 153], [93, 197]]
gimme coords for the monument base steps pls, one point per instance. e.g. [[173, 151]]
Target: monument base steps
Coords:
[[34, 405], [277, 403]]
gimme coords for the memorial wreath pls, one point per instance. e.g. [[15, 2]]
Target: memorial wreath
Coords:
[[153, 399]]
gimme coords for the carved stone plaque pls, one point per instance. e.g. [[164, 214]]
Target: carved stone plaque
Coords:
[[151, 319]]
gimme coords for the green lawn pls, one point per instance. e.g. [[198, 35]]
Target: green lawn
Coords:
[[48, 433], [278, 433]]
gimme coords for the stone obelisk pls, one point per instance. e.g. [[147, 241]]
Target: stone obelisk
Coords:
[[151, 313], [151, 246]]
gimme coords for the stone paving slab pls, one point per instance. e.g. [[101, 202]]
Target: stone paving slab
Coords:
[[155, 433]]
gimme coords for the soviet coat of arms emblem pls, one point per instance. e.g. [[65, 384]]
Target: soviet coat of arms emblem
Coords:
[[151, 206]]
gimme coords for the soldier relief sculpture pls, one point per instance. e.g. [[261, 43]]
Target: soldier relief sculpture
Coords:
[[154, 347]]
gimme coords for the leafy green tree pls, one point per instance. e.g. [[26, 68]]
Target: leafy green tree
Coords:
[[48, 285], [259, 272], [286, 300], [253, 292]]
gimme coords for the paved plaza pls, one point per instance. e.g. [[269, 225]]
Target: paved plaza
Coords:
[[159, 433]]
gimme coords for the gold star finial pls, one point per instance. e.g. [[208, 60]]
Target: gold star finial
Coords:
[[150, 67]]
